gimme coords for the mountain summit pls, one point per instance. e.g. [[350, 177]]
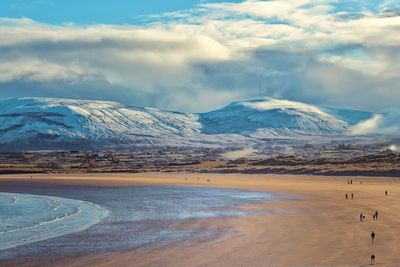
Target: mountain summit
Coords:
[[279, 117]]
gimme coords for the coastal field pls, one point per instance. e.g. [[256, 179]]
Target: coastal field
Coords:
[[312, 224]]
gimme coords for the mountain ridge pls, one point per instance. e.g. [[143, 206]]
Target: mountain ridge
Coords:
[[53, 123]]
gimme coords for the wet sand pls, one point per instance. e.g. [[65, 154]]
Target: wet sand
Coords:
[[321, 228]]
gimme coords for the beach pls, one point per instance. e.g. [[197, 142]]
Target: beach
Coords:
[[315, 226]]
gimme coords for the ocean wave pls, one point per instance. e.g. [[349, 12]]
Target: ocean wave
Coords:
[[31, 218]]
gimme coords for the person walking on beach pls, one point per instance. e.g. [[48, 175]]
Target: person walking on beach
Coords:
[[386, 193], [376, 215], [361, 217], [373, 237], [351, 181], [372, 259], [347, 196], [352, 196]]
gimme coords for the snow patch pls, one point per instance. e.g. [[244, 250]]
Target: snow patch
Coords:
[[268, 104]]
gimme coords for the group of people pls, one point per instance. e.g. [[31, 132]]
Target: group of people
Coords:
[[374, 216], [347, 196], [373, 241], [373, 235], [198, 179], [350, 181], [362, 218]]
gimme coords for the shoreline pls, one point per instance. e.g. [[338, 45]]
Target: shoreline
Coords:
[[395, 173], [321, 229], [77, 214]]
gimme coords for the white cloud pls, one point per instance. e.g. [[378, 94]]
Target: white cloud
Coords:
[[387, 123], [39, 70], [366, 127], [303, 47], [394, 148], [365, 66], [247, 152]]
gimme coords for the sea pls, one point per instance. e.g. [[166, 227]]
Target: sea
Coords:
[[55, 221]]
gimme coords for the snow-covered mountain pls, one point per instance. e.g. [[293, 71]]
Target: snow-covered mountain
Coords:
[[46, 123], [52, 123], [279, 118]]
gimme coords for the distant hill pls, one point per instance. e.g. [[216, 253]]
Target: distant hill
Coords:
[[47, 123], [279, 117]]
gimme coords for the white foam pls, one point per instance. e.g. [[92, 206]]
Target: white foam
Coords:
[[28, 218]]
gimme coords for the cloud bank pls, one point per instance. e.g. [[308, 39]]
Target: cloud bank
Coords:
[[198, 59]]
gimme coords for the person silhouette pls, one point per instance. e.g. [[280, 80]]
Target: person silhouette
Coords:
[[352, 196], [347, 196], [373, 235], [361, 217], [386, 193], [372, 259], [376, 215]]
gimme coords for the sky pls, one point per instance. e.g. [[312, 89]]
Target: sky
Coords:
[[195, 56]]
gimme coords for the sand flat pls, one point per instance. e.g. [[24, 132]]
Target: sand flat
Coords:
[[320, 229]]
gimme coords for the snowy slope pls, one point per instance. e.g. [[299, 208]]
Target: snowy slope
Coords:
[[45, 123], [279, 117], [30, 120]]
